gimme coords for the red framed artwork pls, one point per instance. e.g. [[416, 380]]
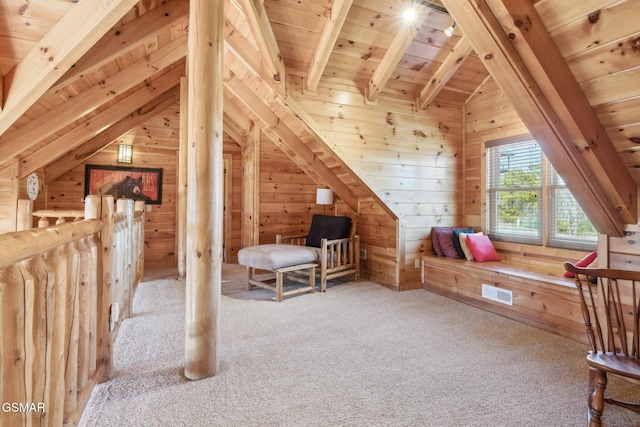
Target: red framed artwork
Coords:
[[124, 182]]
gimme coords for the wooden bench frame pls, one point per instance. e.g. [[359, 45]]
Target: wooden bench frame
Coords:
[[338, 257], [279, 280], [542, 296]]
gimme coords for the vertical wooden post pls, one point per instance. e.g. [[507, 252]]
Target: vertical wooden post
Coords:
[[104, 291], [205, 188], [24, 219], [127, 206], [251, 187], [181, 241]]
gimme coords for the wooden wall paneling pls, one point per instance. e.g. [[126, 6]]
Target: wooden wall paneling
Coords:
[[494, 112], [412, 161], [67, 192], [624, 252], [287, 195]]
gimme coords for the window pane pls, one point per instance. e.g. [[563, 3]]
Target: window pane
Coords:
[[569, 226], [515, 188], [517, 213]]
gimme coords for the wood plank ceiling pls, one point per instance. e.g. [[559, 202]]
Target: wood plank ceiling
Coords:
[[68, 90]]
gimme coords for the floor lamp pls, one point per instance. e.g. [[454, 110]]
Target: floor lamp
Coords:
[[324, 196]]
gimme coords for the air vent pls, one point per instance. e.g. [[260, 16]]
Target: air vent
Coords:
[[493, 293]]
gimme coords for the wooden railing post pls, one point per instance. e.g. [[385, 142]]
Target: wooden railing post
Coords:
[[105, 297], [24, 217], [55, 307], [127, 206]]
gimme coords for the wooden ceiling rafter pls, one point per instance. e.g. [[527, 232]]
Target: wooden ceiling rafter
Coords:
[[119, 41], [330, 33], [501, 43], [263, 108], [76, 32], [261, 29], [142, 104], [232, 129], [16, 141], [109, 136], [403, 38], [447, 69]]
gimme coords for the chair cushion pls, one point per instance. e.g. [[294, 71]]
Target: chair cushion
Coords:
[[272, 257], [328, 227]]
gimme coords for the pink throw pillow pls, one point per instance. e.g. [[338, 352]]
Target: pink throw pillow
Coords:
[[482, 248], [584, 262]]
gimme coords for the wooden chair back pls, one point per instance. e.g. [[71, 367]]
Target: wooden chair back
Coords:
[[610, 300]]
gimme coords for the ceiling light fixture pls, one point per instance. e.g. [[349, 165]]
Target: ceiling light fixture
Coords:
[[449, 31], [409, 14]]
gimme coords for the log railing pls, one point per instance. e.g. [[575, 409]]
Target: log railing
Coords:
[[60, 287]]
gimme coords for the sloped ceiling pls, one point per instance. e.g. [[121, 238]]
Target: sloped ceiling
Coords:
[[74, 80]]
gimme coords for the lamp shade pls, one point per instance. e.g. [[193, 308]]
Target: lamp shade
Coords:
[[324, 196], [125, 152]]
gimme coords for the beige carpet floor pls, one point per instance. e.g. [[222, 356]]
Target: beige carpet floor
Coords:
[[357, 355]]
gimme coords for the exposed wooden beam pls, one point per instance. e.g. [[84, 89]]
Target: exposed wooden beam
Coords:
[[338, 14], [245, 49], [261, 29], [232, 129], [392, 57], [56, 52], [80, 144], [14, 142], [238, 116], [447, 69], [286, 139], [122, 39], [514, 45]]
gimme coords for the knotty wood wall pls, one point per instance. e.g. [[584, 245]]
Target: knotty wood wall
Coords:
[[412, 160], [488, 116], [155, 145]]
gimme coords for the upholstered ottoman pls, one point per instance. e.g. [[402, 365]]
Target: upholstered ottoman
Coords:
[[280, 259]]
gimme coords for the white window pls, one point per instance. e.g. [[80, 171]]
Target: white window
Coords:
[[527, 202]]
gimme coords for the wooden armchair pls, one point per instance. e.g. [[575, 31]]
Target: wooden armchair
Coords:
[[610, 302], [337, 243]]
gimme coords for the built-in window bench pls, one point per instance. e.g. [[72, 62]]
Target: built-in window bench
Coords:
[[532, 281]]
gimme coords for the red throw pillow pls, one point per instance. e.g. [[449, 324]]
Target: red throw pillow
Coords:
[[584, 262], [482, 248]]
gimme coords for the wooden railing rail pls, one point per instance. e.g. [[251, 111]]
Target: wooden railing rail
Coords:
[[59, 288], [60, 216]]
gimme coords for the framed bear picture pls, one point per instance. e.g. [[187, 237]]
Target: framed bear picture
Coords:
[[124, 182]]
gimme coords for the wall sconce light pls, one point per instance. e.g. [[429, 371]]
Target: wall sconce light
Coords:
[[324, 196], [449, 31], [125, 153]]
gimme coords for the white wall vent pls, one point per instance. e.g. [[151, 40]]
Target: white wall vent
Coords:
[[496, 294]]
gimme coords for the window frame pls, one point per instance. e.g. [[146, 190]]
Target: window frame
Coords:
[[546, 230]]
